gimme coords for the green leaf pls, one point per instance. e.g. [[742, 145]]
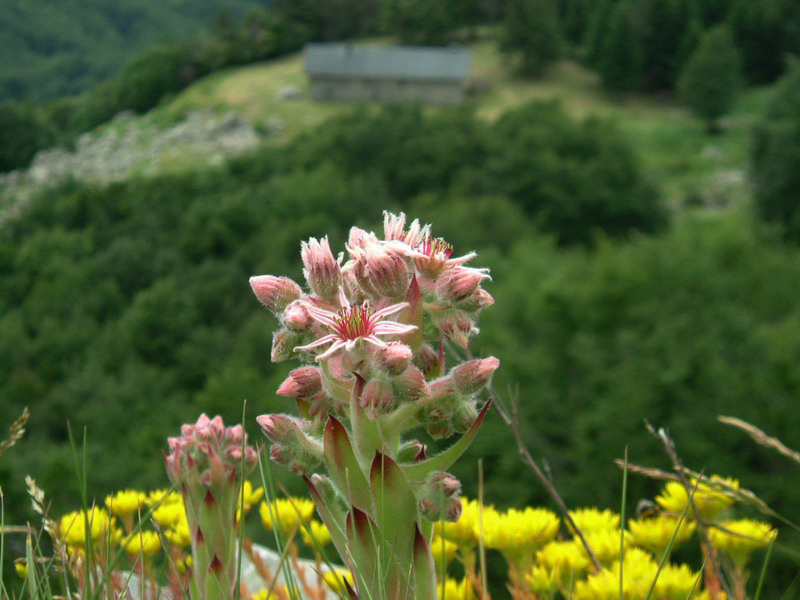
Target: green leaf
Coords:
[[395, 507], [443, 461], [333, 520], [378, 575], [424, 569], [344, 467]]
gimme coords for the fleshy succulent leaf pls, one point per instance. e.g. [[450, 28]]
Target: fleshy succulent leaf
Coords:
[[344, 467], [444, 460], [424, 569], [395, 507], [333, 521]]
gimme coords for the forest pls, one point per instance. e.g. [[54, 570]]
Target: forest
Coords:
[[125, 308]]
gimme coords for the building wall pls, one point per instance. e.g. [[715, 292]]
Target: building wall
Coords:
[[385, 90]]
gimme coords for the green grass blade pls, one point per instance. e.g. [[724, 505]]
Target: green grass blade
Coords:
[[622, 527], [763, 574]]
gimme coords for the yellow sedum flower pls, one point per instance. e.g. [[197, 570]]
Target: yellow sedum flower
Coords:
[[335, 580], [452, 589], [441, 547], [675, 582], [591, 519], [638, 574], [164, 497], [166, 515], [265, 594], [605, 543], [287, 513], [178, 534], [317, 534], [250, 496], [564, 560], [516, 533], [543, 581], [73, 526], [21, 569], [745, 537], [126, 503], [465, 532], [710, 498], [145, 543], [654, 534]]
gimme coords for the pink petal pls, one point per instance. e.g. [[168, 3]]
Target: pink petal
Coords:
[[452, 262], [317, 343], [325, 317], [392, 328], [374, 341], [335, 347], [389, 310]]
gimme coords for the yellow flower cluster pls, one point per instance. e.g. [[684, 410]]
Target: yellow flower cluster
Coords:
[[517, 533], [286, 514], [315, 534], [654, 534], [740, 538], [335, 580], [452, 589], [710, 498], [465, 532]]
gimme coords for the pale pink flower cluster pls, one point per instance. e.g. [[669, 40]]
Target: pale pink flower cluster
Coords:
[[372, 328]]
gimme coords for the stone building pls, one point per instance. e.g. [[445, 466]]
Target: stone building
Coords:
[[343, 72]]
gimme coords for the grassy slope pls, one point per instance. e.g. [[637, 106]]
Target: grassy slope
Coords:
[[688, 163]]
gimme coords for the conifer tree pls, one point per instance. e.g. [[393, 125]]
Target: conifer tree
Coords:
[[532, 34], [776, 156], [620, 58], [712, 78]]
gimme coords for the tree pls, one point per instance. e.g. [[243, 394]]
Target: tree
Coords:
[[22, 133], [531, 32], [712, 78], [776, 156], [419, 21], [620, 55]]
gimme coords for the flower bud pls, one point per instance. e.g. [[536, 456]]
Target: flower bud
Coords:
[[275, 292], [442, 484], [411, 384], [456, 326], [411, 451], [388, 272], [297, 318], [459, 283], [393, 358], [464, 416], [283, 345], [479, 300], [304, 382], [322, 271], [448, 509], [472, 376], [428, 360], [278, 428], [440, 430], [377, 398]]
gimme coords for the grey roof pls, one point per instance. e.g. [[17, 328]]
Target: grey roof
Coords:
[[388, 62]]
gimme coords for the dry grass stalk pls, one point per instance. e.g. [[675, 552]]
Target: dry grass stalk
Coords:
[[760, 437], [16, 431]]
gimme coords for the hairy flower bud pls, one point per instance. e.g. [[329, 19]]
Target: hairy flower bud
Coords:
[[459, 283], [411, 451], [446, 509], [457, 327], [377, 398], [472, 376], [464, 415], [411, 384], [388, 273], [283, 345], [479, 300], [429, 361], [297, 318], [393, 358], [275, 292], [442, 484], [304, 382], [278, 428], [322, 270]]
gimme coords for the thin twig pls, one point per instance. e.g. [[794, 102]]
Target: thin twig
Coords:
[[16, 431], [677, 464], [760, 437], [511, 420]]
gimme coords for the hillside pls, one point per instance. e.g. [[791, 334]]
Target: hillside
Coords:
[[691, 166], [52, 49]]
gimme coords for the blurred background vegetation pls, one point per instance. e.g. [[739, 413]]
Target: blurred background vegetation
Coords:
[[631, 174]]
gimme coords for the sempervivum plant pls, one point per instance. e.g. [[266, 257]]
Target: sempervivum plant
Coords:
[[208, 463], [372, 334]]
